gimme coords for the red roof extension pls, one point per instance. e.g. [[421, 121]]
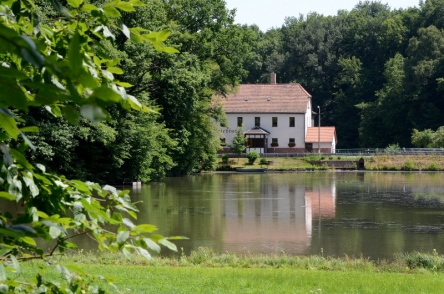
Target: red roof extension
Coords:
[[327, 135]]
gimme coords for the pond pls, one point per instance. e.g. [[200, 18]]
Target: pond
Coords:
[[374, 214]]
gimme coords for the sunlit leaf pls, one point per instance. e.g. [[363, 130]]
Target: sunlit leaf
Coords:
[[125, 30], [144, 253], [75, 3], [6, 195], [168, 244], [122, 236], [7, 122], [152, 245], [29, 240], [115, 70]]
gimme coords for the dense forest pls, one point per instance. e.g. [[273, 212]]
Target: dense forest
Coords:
[[377, 73]]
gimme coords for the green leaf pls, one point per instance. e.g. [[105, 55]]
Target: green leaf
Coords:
[[177, 238], [115, 70], [144, 253], [106, 94], [31, 129], [41, 214], [124, 84], [71, 114], [8, 72], [10, 88], [168, 244], [21, 159], [4, 288], [94, 113], [11, 233], [75, 3], [87, 80], [111, 11], [170, 50], [29, 240], [122, 236], [152, 245], [54, 232], [127, 254], [145, 228], [6, 195], [74, 55], [15, 264], [88, 7]]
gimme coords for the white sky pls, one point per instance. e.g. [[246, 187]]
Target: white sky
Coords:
[[271, 13]]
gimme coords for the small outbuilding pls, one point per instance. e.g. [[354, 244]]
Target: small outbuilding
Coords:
[[326, 136]]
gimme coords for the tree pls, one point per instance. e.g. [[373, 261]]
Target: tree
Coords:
[[64, 67], [239, 141]]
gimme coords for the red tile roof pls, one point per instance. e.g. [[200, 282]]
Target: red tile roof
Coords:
[[267, 98], [327, 134]]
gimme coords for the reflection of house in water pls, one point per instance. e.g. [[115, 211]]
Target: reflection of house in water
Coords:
[[276, 218]]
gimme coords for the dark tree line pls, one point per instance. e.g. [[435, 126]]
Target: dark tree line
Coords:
[[376, 72]]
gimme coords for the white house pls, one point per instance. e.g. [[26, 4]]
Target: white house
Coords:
[[276, 118]]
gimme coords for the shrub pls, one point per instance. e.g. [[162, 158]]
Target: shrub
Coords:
[[263, 161], [322, 157], [330, 157], [224, 158], [408, 165], [433, 167], [252, 156], [339, 157]]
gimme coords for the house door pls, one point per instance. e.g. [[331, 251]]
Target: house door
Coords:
[[309, 147]]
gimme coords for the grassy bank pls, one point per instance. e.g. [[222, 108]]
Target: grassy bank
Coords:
[[376, 163], [206, 272]]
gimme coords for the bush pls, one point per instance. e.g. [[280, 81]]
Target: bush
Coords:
[[433, 167], [409, 165], [224, 158], [263, 161], [252, 156], [339, 157]]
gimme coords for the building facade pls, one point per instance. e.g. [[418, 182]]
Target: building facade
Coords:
[[275, 118]]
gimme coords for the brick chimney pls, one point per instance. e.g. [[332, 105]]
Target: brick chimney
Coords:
[[272, 78]]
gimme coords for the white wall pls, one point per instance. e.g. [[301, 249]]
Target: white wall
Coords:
[[282, 132]]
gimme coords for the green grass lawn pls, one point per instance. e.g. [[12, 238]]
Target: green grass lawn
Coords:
[[206, 272], [169, 279]]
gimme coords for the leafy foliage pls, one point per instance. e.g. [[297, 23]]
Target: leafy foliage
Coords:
[[64, 67], [252, 156]]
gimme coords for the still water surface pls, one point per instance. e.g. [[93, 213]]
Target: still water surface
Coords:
[[375, 214]]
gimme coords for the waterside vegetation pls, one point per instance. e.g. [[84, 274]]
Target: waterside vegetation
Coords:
[[384, 162]]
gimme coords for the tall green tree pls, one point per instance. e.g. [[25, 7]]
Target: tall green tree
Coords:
[[63, 67]]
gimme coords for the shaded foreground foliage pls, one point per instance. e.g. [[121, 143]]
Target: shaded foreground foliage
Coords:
[[64, 67]]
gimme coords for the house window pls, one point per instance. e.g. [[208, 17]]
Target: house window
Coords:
[[292, 122], [240, 121], [291, 140], [257, 121], [274, 122], [274, 142]]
